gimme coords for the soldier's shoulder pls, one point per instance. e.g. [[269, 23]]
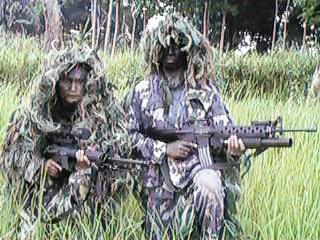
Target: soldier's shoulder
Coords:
[[144, 85]]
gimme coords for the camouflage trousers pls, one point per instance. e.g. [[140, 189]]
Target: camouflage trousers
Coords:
[[78, 194], [192, 213], [54, 198]]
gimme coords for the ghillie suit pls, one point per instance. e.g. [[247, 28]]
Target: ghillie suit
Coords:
[[205, 196], [23, 151]]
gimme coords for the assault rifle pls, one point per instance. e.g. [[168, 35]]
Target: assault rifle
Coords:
[[64, 144], [211, 139]]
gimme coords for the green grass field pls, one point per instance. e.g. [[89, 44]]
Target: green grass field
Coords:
[[280, 193]]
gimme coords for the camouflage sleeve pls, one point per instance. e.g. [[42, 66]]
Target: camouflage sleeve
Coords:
[[219, 111], [152, 150], [18, 158]]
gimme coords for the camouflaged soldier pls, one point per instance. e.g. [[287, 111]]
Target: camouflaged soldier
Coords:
[[70, 94], [178, 90]]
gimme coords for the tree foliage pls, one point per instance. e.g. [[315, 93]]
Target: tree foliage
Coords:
[[309, 11]]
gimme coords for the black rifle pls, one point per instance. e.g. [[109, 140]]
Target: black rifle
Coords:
[[65, 143], [212, 139]]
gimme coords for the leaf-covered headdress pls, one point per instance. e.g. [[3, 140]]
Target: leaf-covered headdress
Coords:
[[157, 37]]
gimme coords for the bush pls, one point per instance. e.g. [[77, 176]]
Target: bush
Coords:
[[284, 73]]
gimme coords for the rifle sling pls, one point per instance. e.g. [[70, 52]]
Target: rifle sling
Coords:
[[164, 168]]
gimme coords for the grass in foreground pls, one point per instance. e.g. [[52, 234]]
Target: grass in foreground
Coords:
[[281, 192]]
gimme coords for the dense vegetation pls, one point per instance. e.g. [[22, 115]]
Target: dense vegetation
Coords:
[[282, 73], [280, 197]]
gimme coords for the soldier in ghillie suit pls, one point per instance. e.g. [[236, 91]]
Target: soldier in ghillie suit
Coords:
[[72, 93], [181, 197]]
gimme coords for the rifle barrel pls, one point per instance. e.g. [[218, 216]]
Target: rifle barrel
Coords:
[[296, 130]]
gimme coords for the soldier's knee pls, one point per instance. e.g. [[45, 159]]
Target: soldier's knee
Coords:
[[209, 181]]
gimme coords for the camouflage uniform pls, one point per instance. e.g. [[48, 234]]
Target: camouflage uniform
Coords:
[[23, 151], [195, 197]]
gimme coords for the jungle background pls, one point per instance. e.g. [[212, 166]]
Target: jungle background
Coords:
[[266, 53]]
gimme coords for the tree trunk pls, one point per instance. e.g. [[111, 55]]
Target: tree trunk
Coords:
[[108, 31], [144, 17], [205, 18], [3, 19], [208, 21], [93, 22], [286, 25], [304, 34], [116, 28], [53, 24], [223, 26], [133, 33], [98, 23], [275, 26], [123, 22]]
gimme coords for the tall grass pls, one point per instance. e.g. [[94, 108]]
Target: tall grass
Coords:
[[280, 194], [285, 73], [20, 59]]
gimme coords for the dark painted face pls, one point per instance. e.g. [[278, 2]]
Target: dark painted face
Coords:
[[173, 58], [71, 87]]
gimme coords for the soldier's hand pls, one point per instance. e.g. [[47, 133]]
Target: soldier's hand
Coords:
[[235, 146], [53, 168], [82, 160], [180, 149]]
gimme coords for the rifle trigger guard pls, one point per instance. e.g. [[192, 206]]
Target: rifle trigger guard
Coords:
[[64, 161]]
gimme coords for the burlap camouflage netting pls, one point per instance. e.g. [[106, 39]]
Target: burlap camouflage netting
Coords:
[[199, 53], [98, 111]]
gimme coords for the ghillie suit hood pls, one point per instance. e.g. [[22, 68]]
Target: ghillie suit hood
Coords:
[[98, 111], [98, 108], [157, 37]]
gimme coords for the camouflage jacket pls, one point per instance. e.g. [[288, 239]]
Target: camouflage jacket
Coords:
[[147, 111]]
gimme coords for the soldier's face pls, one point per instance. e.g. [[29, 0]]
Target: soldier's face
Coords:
[[173, 58], [72, 86]]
